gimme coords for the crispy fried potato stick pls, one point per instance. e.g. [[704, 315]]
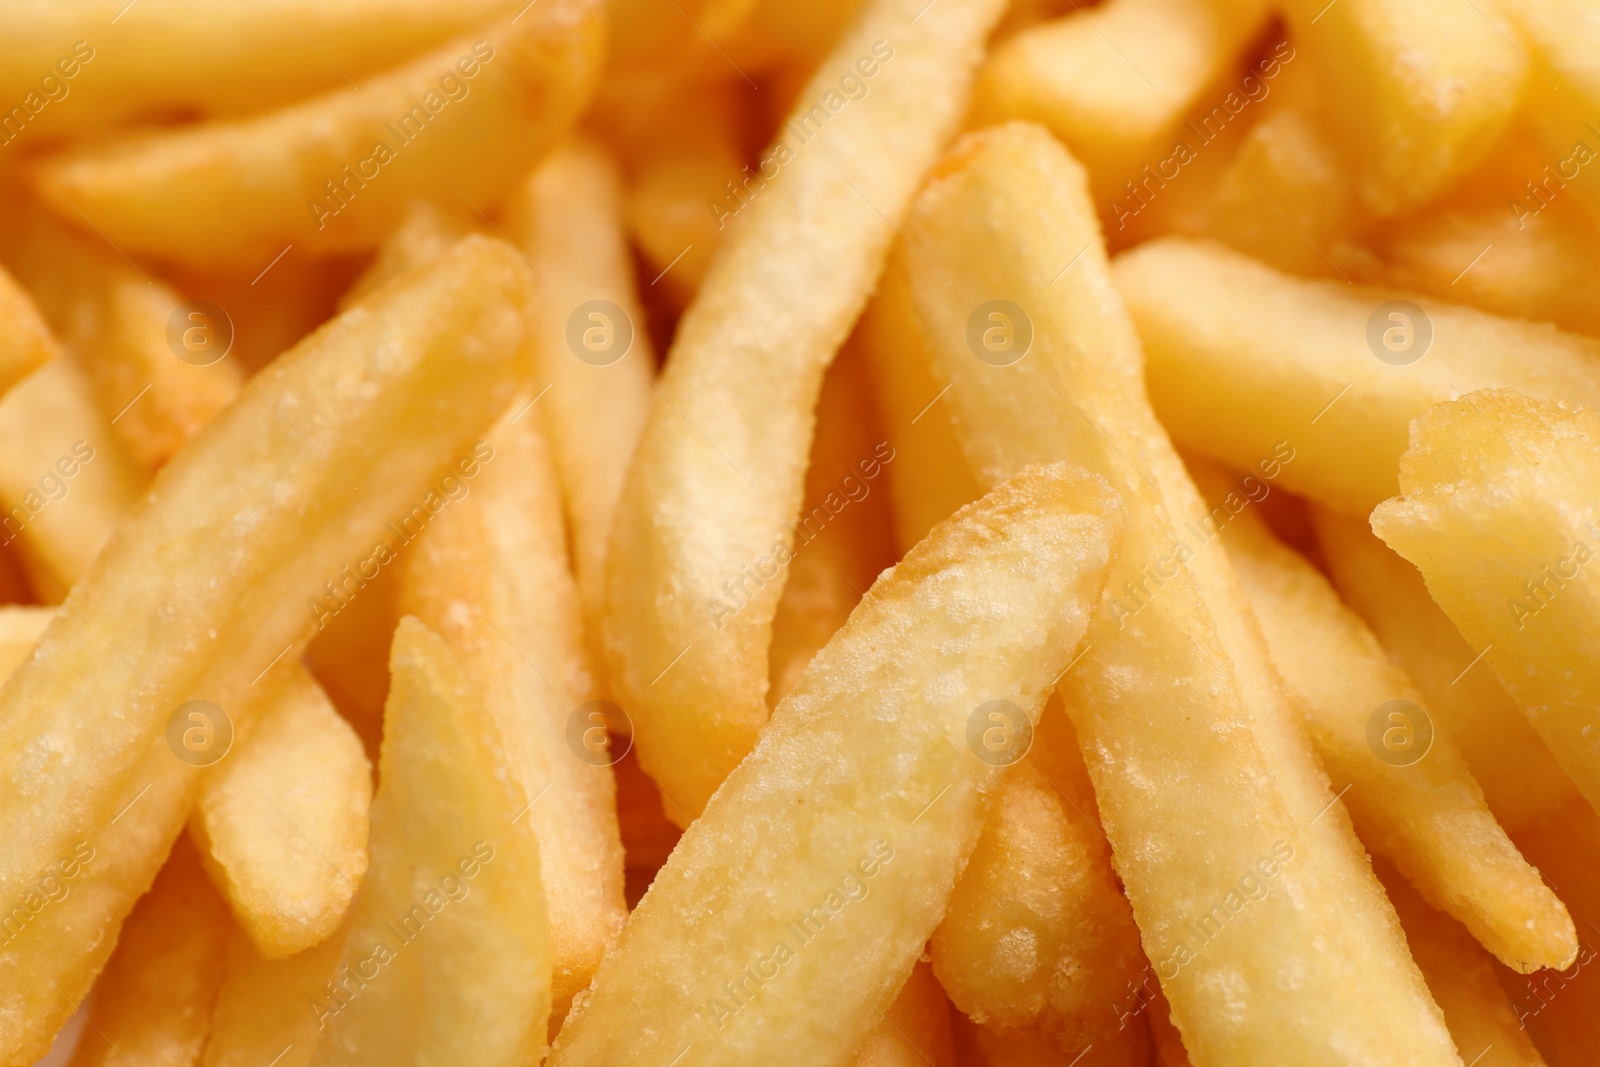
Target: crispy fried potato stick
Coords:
[[915, 1030], [337, 172], [1244, 362], [448, 956], [261, 1005], [25, 341], [491, 578], [1223, 828], [1497, 511], [596, 361], [283, 824], [1521, 780], [721, 466], [1425, 812], [1421, 92], [807, 890], [153, 1003], [276, 495]]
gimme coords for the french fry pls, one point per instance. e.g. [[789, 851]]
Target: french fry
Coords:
[[1521, 780], [64, 477], [246, 521], [1410, 793], [1462, 980], [153, 1003], [1496, 512], [27, 344], [261, 1013], [1053, 372], [1422, 93], [1563, 101], [591, 344], [915, 1029], [1286, 364], [337, 172], [491, 578], [426, 233], [20, 627], [819, 835], [283, 824], [448, 955], [728, 435]]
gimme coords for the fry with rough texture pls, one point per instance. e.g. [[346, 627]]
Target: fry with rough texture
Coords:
[[245, 521], [1242, 358], [1240, 867], [152, 1006], [336, 172], [448, 955], [261, 1011], [721, 466], [491, 578], [283, 823], [915, 1030], [1497, 512], [753, 944], [25, 341]]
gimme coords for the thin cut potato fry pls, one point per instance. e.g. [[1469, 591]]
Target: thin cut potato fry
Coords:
[[426, 233], [232, 541], [914, 1031], [261, 1005], [708, 507], [336, 172], [1521, 780], [491, 577], [1241, 358], [25, 341], [1497, 512], [153, 1003], [805, 893], [1209, 794], [1426, 814], [448, 955], [283, 824], [64, 478]]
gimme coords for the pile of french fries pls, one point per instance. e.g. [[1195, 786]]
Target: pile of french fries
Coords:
[[1103, 572]]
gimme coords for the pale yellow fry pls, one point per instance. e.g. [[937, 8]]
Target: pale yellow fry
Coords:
[[152, 1006], [20, 627], [89, 65], [1411, 795], [491, 577], [25, 341], [427, 232], [593, 363], [64, 477], [245, 524], [1240, 866], [283, 824], [1417, 91], [1241, 358], [448, 956], [721, 466], [1521, 780], [914, 1031], [807, 890], [159, 367], [336, 172], [1497, 511], [260, 1018]]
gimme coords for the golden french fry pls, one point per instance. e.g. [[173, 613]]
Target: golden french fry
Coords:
[[261, 1004], [1042, 371], [1418, 92], [337, 172], [719, 477], [1496, 511], [448, 955], [232, 542], [1409, 791], [153, 1003], [915, 1030], [426, 233], [1245, 364], [761, 913], [27, 344], [1521, 780], [491, 578], [283, 824]]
